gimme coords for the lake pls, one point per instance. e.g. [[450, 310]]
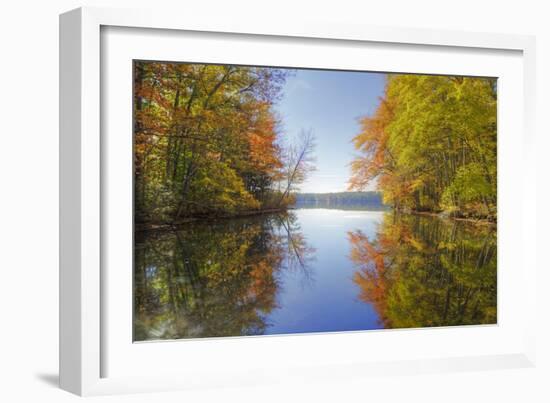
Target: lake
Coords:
[[313, 270]]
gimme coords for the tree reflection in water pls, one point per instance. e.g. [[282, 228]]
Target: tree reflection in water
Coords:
[[230, 277], [423, 271], [213, 279]]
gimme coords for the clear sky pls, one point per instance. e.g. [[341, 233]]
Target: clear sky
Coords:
[[330, 103]]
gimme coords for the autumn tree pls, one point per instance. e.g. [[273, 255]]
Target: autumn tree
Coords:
[[431, 145], [206, 139]]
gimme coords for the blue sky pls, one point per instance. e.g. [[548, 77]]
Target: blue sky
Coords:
[[329, 103]]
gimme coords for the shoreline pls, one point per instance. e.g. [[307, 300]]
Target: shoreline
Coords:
[[443, 216], [160, 226]]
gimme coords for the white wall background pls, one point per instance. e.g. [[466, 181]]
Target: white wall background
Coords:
[[29, 201]]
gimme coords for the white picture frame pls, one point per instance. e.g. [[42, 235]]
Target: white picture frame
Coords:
[[86, 311]]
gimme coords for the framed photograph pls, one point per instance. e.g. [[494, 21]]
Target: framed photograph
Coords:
[[246, 202]]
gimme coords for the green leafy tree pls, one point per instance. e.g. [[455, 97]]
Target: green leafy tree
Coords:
[[432, 145]]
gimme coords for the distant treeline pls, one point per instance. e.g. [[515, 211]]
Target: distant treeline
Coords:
[[340, 199]]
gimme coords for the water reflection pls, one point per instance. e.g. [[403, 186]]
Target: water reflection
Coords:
[[313, 270], [216, 278], [422, 271]]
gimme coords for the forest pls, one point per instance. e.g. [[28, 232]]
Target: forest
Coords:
[[431, 145], [226, 243], [370, 198], [207, 142]]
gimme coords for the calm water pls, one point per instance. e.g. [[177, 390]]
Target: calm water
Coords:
[[313, 270]]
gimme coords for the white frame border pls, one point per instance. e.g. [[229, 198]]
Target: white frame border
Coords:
[[80, 258]]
